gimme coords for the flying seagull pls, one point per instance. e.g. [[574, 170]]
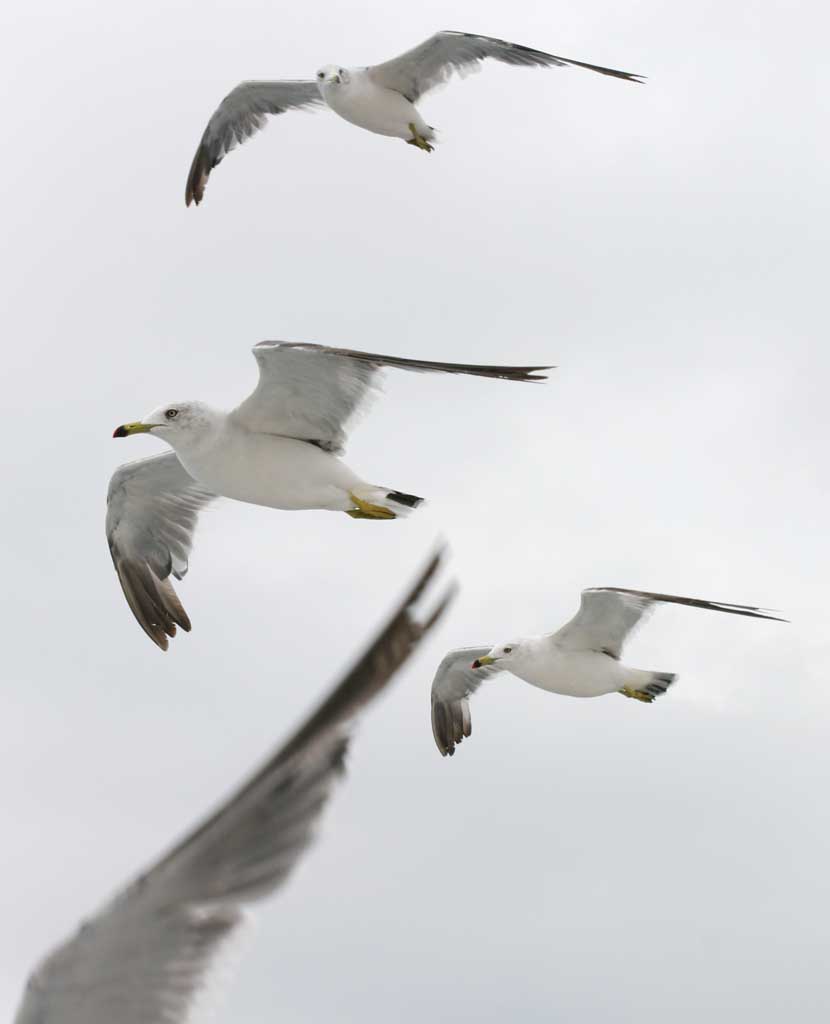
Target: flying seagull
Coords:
[[279, 448], [380, 98], [146, 955], [582, 659]]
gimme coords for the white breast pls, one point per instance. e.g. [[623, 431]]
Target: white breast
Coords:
[[278, 472], [369, 106], [572, 673]]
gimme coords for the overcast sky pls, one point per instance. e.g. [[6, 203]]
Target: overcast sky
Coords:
[[666, 246]]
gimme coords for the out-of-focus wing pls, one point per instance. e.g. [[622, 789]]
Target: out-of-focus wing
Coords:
[[152, 508], [435, 61], [311, 391], [145, 956], [240, 115]]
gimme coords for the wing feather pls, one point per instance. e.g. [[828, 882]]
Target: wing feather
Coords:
[[310, 392], [145, 957], [152, 508], [241, 114], [607, 615], [437, 59], [455, 680]]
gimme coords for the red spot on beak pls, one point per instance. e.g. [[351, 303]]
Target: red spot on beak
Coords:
[[476, 664], [119, 432]]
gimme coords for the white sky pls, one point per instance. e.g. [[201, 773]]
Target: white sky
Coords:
[[666, 247]]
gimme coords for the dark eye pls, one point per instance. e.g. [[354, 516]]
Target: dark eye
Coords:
[[507, 650], [320, 75], [171, 414]]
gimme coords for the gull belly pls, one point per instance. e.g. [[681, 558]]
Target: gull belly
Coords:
[[570, 673], [382, 111], [278, 472]]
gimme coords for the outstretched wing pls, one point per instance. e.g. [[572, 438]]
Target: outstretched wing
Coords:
[[607, 615], [446, 53], [152, 507], [311, 391], [146, 955], [240, 115], [454, 681]]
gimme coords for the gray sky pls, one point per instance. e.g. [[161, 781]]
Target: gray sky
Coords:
[[665, 246]]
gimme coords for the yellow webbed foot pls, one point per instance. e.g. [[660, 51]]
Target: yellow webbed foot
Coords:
[[418, 140], [366, 510], [646, 698]]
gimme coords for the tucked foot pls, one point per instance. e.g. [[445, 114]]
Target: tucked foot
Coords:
[[643, 695], [366, 510], [418, 140]]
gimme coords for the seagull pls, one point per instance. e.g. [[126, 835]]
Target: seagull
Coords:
[[147, 955], [582, 659], [380, 98], [279, 448]]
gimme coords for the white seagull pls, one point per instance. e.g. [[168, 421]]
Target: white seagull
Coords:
[[380, 98], [582, 659], [145, 957], [279, 448]]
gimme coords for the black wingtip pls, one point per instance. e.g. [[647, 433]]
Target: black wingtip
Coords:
[[748, 610]]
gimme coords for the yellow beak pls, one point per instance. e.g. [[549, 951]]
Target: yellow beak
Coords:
[[131, 428], [480, 662]]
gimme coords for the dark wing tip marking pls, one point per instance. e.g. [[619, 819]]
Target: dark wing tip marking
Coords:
[[525, 374], [153, 602], [528, 55], [449, 726], [748, 610], [197, 178]]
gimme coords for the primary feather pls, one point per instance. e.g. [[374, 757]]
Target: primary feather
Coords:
[[144, 958]]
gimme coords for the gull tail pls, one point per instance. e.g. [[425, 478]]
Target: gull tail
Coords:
[[649, 686], [409, 501], [381, 503]]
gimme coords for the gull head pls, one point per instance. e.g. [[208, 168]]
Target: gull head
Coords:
[[502, 653], [176, 423], [331, 74]]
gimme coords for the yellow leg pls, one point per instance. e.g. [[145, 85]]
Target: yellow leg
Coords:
[[366, 510], [646, 698], [418, 140]]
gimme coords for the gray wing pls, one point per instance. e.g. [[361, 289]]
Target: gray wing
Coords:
[[607, 615], [436, 60], [144, 958], [240, 115], [454, 681], [152, 507], [311, 391]]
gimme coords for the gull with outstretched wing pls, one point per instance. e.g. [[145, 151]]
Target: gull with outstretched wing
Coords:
[[380, 98], [582, 659], [278, 448]]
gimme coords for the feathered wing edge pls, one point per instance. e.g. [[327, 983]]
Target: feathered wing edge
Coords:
[[167, 927], [152, 508], [526, 374], [241, 114], [434, 61], [751, 611], [370, 674], [454, 682]]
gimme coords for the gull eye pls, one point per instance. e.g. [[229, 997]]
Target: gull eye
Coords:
[[320, 75], [171, 414], [508, 650]]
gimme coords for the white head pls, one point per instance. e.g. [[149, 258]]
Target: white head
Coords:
[[332, 75], [503, 654], [178, 423]]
